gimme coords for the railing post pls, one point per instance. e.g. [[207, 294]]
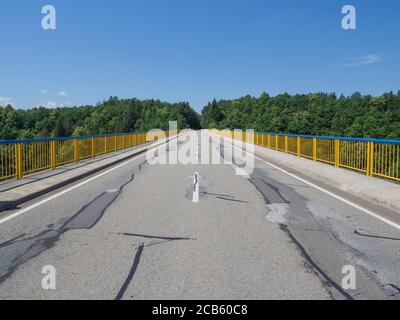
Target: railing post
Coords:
[[115, 143], [276, 142], [298, 146], [372, 161], [131, 140], [53, 157], [315, 149], [269, 141], [337, 153], [93, 147], [286, 144], [105, 144], [18, 160], [370, 157], [76, 155]]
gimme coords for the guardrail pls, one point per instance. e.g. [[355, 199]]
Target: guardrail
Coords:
[[373, 157], [22, 157]]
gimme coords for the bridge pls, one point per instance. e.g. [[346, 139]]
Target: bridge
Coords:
[[249, 216]]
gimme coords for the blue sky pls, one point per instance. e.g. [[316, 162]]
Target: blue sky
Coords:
[[194, 50]]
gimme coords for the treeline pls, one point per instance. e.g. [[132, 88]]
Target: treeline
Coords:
[[111, 116], [314, 114]]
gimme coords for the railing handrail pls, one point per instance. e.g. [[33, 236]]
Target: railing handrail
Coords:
[[21, 157], [67, 138], [374, 157], [332, 137], [270, 133]]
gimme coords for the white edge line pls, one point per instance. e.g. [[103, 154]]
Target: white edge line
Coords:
[[16, 214], [352, 204]]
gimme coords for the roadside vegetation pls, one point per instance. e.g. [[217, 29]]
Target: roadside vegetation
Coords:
[[111, 116], [314, 114]]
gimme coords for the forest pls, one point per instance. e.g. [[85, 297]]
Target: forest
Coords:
[[315, 114], [111, 116], [325, 114]]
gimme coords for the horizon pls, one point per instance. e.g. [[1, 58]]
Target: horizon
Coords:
[[196, 51], [338, 96]]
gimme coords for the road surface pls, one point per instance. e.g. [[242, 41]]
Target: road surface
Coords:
[[134, 232]]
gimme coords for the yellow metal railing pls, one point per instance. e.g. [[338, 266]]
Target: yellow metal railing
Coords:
[[374, 157], [19, 158]]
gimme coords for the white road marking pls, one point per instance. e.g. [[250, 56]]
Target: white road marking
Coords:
[[348, 202], [196, 188], [18, 213]]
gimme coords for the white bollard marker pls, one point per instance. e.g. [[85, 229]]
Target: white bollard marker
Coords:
[[196, 187]]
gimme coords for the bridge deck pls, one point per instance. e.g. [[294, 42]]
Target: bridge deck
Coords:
[[135, 233]]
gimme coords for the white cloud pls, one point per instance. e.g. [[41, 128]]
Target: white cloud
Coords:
[[51, 104], [43, 91], [6, 101], [62, 93], [362, 61]]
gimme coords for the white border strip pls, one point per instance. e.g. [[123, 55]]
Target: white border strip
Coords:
[[18, 213], [348, 202]]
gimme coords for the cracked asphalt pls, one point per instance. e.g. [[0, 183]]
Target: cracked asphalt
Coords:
[[136, 234]]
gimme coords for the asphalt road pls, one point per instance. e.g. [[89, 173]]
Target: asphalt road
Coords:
[[135, 233]]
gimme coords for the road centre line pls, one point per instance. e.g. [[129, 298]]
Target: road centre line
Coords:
[[196, 187]]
